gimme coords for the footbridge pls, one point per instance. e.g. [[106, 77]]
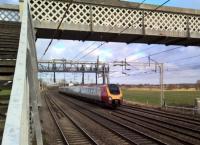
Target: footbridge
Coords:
[[117, 21], [99, 20]]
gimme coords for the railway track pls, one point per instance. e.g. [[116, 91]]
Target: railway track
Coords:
[[71, 133], [182, 133], [161, 131], [133, 135], [180, 117]]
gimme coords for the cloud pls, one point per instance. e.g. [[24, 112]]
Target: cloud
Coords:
[[119, 51]]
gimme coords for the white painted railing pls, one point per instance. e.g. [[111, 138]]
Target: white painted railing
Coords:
[[25, 90]]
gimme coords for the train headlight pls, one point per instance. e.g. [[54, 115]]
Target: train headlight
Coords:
[[110, 98]]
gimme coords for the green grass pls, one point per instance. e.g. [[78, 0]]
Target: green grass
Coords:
[[5, 94], [175, 98], [2, 123]]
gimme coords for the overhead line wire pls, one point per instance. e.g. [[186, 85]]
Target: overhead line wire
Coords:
[[107, 31], [83, 51], [91, 51], [145, 15], [134, 53], [184, 58], [58, 27], [157, 53]]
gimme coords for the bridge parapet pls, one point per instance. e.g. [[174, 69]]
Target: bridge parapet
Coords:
[[104, 18]]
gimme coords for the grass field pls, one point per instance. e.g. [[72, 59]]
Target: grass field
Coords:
[[5, 94], [174, 98]]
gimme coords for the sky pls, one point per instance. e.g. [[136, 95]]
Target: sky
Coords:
[[176, 68]]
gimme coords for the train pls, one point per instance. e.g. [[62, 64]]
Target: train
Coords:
[[108, 95]]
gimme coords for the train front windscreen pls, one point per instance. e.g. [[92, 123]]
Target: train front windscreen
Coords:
[[114, 89]]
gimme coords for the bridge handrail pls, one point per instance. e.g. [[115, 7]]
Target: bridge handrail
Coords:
[[9, 7], [25, 91]]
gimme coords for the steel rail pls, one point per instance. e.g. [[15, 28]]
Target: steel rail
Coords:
[[160, 121], [110, 129], [165, 129], [179, 117], [145, 135], [56, 122], [75, 124]]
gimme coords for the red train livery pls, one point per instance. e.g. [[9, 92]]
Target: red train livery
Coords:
[[109, 95]]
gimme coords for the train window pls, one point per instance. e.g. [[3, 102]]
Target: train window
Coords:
[[114, 89]]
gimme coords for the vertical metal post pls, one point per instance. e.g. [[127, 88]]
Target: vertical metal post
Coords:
[[54, 77], [54, 71], [107, 74], [83, 75], [103, 75], [97, 70], [162, 97], [83, 78], [108, 78], [64, 79]]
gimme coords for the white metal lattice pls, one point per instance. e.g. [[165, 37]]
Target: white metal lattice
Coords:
[[117, 17], [194, 24], [54, 10], [165, 21], [8, 15], [85, 14]]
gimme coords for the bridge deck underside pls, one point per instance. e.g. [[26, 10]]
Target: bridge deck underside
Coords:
[[114, 37]]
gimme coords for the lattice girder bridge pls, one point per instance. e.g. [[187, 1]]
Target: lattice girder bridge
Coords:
[[103, 21]]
